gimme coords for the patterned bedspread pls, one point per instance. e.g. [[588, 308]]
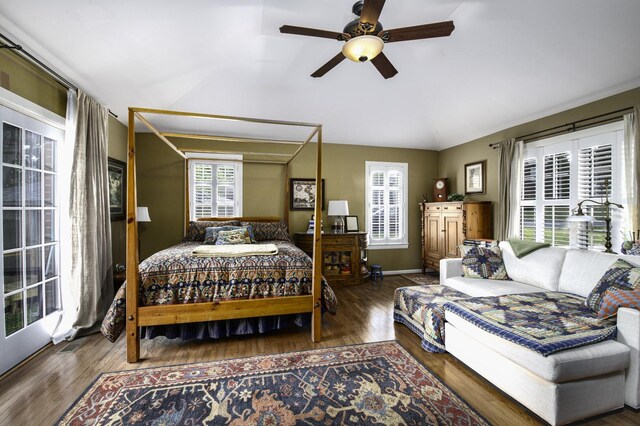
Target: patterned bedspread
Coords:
[[174, 276], [544, 322], [421, 308]]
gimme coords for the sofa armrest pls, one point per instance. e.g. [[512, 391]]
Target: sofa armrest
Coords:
[[629, 334], [450, 268]]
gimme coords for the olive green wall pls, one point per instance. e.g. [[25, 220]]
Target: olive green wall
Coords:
[[161, 187], [118, 150], [29, 82], [452, 160]]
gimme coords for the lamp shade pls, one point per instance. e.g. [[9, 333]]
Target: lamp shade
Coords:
[[363, 48], [338, 208], [142, 214], [577, 218]]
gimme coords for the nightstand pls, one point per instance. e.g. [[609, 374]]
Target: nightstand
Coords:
[[344, 256]]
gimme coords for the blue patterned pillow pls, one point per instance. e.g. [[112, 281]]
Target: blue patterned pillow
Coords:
[[198, 229], [621, 275], [483, 262], [233, 236], [211, 233]]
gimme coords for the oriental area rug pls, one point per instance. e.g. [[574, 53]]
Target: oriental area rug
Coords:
[[372, 383]]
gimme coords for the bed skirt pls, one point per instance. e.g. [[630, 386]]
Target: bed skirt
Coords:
[[225, 328]]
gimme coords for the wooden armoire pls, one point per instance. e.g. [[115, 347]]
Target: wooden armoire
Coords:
[[446, 225]]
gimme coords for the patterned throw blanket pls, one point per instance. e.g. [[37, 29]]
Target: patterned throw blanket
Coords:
[[421, 308], [544, 322], [235, 250]]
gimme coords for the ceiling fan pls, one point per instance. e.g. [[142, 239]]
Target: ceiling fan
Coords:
[[365, 37]]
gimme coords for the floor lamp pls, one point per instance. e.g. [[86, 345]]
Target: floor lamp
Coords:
[[579, 216]]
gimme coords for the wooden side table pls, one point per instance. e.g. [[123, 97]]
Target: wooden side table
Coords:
[[118, 279], [344, 256]]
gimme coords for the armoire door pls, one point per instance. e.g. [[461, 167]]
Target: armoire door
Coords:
[[453, 235], [433, 237]]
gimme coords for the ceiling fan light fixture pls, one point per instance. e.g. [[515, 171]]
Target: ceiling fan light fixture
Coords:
[[363, 48]]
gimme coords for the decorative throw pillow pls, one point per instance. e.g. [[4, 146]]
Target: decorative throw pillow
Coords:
[[198, 229], [234, 236], [483, 262], [212, 233], [620, 276], [263, 231], [614, 299]]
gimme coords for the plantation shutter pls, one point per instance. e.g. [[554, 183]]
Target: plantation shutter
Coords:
[[527, 200], [557, 186], [595, 166], [395, 204], [557, 176], [386, 203], [377, 205], [203, 195], [214, 189]]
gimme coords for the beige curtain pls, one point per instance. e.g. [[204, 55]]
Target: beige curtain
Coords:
[[91, 270], [631, 167], [507, 209]]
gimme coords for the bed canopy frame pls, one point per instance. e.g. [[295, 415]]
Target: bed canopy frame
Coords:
[[138, 316]]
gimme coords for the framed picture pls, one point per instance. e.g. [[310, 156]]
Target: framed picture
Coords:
[[117, 188], [475, 175], [351, 224], [303, 194]]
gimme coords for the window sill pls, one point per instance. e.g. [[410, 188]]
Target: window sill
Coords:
[[388, 246]]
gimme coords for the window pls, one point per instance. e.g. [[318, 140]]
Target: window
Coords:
[[387, 190], [560, 172], [215, 187]]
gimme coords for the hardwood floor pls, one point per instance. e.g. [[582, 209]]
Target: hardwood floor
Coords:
[[39, 391]]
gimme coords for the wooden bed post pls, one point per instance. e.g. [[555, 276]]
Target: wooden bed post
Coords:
[[316, 316], [133, 337]]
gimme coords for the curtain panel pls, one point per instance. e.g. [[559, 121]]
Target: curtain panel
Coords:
[[510, 186], [631, 167], [91, 265]]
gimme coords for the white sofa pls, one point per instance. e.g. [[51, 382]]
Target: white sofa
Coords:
[[566, 386]]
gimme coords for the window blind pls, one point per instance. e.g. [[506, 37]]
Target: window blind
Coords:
[[595, 166], [557, 176], [386, 199], [214, 189]]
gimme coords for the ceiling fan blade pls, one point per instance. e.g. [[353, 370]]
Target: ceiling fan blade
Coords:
[[386, 68], [311, 32], [329, 65], [371, 11], [439, 29]]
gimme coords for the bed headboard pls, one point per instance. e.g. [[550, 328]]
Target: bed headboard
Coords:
[[242, 219]]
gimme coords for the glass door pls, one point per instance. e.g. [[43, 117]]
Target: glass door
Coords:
[[29, 282]]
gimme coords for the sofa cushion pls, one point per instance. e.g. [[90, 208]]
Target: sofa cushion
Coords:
[[540, 268], [620, 276], [583, 269], [571, 364], [483, 262], [479, 288], [615, 299]]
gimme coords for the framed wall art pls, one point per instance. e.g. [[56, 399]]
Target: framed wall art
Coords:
[[475, 176], [303, 194], [351, 224], [117, 171]]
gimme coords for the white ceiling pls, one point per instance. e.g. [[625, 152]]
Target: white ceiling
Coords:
[[507, 62]]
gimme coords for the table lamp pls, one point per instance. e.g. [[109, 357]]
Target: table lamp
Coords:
[[338, 209]]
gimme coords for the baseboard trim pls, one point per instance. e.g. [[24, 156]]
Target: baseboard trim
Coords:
[[402, 271]]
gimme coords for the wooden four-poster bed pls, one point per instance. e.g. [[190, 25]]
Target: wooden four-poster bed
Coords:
[[168, 314]]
